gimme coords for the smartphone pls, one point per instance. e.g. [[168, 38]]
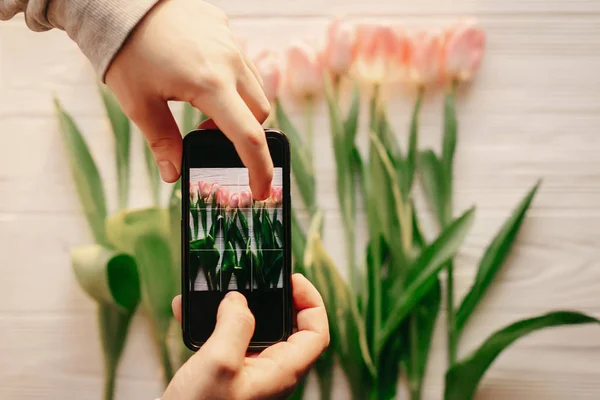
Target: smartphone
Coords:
[[232, 242]]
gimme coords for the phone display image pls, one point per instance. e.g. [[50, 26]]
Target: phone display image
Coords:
[[235, 242]]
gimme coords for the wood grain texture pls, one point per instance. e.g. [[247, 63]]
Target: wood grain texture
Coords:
[[533, 112]]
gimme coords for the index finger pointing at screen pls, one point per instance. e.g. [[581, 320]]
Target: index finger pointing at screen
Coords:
[[234, 118]]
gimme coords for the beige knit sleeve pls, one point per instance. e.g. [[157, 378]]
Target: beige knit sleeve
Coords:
[[99, 27]]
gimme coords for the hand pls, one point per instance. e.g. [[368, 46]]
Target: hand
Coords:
[[184, 50], [221, 369]]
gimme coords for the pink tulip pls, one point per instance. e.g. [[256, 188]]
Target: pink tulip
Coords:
[[204, 189], [340, 47], [277, 195], [423, 58], [269, 69], [214, 188], [378, 50], [223, 196], [304, 70], [234, 200], [462, 51], [193, 194], [245, 199]]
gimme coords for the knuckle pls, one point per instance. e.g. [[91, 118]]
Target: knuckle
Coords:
[[209, 81], [160, 145], [255, 139]]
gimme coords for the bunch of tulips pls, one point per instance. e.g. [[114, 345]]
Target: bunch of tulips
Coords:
[[383, 316], [251, 234]]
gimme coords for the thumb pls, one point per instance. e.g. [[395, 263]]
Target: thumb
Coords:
[[157, 124], [235, 326]]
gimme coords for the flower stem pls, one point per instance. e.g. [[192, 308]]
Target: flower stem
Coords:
[[109, 383], [414, 380], [308, 118], [450, 322]]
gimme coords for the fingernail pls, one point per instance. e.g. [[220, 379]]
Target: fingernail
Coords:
[[167, 170]]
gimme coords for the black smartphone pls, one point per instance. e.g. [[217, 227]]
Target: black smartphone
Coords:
[[232, 242]]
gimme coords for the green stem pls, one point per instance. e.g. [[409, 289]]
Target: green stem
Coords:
[[113, 324], [337, 80], [414, 384], [109, 383], [415, 393], [325, 386], [349, 233], [450, 322], [308, 118]]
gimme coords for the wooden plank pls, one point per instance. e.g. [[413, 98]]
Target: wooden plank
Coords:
[[270, 8]]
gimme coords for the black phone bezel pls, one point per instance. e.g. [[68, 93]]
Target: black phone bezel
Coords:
[[213, 136]]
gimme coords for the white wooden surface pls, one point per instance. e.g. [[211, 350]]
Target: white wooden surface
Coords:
[[534, 111]]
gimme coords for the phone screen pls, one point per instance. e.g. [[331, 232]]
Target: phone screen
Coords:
[[232, 241]]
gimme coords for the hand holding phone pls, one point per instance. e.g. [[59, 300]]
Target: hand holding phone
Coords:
[[231, 241], [222, 369]]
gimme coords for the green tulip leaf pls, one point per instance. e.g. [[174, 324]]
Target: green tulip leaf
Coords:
[[107, 276], [278, 226], [300, 158], [432, 178], [121, 127], [153, 174], [157, 279], [244, 223], [348, 335], [427, 267], [228, 265], [124, 228], [398, 216], [351, 122], [203, 215], [208, 257], [493, 259], [267, 234], [275, 268], [175, 232], [411, 157], [298, 240], [418, 331], [85, 173], [449, 139], [190, 118], [464, 377]]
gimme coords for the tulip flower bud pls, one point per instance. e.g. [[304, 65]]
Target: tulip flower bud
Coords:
[[462, 51], [277, 195], [214, 188], [234, 200], [304, 70], [423, 58], [223, 196], [269, 68], [340, 47], [193, 194], [378, 49], [245, 199], [204, 189]]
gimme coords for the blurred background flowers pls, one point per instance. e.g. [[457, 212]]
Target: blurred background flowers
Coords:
[[375, 141]]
